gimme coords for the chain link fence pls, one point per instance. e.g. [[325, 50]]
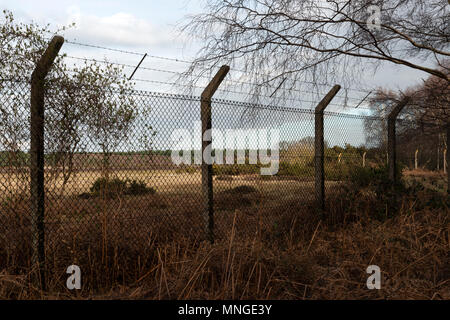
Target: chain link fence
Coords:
[[122, 166]]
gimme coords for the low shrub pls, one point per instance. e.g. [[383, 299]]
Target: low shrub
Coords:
[[242, 190], [107, 186], [294, 169], [112, 188], [235, 169], [364, 177], [136, 187]]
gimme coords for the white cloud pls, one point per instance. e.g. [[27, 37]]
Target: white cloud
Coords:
[[118, 30]]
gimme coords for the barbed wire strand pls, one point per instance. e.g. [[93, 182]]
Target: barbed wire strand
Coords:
[[191, 62], [201, 76]]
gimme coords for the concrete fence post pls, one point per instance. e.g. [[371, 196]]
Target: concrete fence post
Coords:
[[319, 148], [416, 160], [392, 148], [207, 185], [37, 195], [438, 167], [445, 161], [447, 158]]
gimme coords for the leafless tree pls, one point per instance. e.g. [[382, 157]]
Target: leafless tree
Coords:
[[111, 113], [282, 43], [90, 99], [422, 124], [429, 106]]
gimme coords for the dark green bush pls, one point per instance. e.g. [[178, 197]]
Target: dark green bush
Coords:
[[136, 187], [112, 188], [106, 186], [336, 172], [364, 177], [16, 158], [374, 180], [294, 169], [235, 169]]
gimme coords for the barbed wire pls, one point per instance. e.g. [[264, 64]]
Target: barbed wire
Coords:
[[191, 62], [346, 98], [201, 76], [230, 102], [231, 91], [101, 47]]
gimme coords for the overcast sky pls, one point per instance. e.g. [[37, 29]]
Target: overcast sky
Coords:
[[150, 27], [137, 25]]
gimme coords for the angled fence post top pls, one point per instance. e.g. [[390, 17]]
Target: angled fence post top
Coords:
[[207, 171], [215, 82], [37, 128], [47, 59], [398, 108], [392, 157], [319, 146], [327, 99]]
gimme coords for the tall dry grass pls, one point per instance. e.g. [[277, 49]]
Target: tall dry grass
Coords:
[[295, 257]]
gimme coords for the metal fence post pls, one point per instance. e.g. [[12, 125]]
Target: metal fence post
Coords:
[[37, 155], [319, 148], [392, 148], [207, 186]]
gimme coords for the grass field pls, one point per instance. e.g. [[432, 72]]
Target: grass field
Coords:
[[270, 242], [167, 183], [176, 204]]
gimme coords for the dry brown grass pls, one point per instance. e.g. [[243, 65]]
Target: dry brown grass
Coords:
[[164, 181], [270, 242], [423, 173], [293, 257], [432, 180]]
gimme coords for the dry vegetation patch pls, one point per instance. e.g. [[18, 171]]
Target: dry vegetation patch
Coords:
[[309, 261]]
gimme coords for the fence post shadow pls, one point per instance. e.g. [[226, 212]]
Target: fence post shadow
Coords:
[[319, 149], [207, 185], [37, 195]]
